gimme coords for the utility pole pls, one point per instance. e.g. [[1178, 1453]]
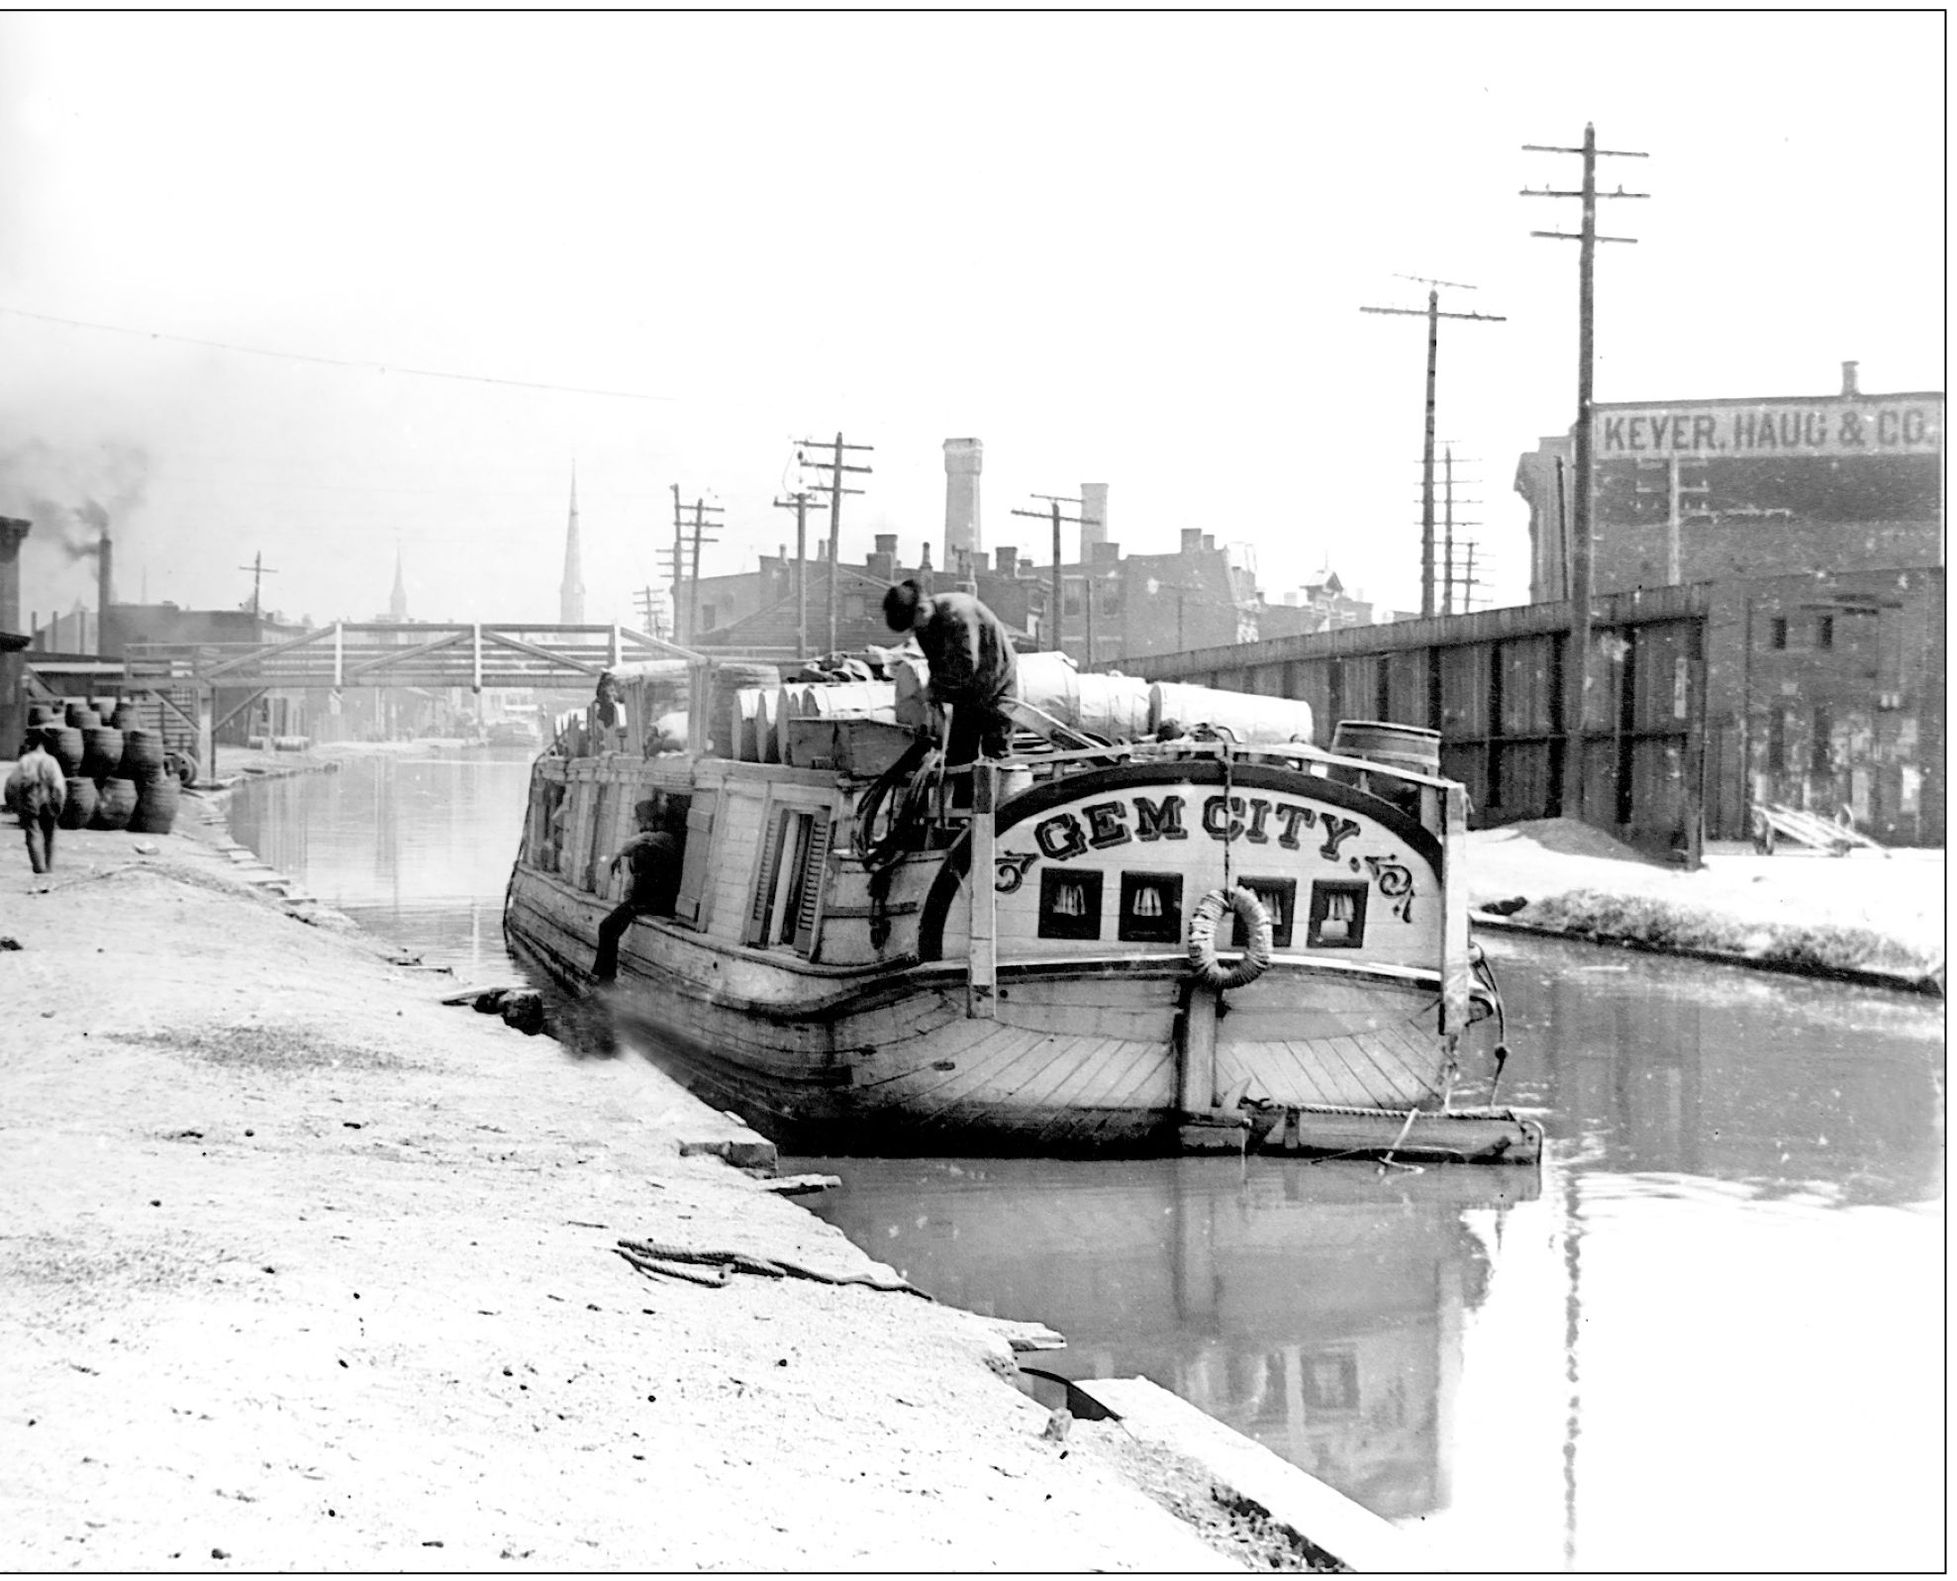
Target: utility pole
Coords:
[[1433, 314], [700, 525], [1447, 557], [1577, 670], [798, 502], [258, 569], [835, 490], [1053, 514]]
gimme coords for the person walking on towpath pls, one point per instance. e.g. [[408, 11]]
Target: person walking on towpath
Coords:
[[654, 855], [36, 793], [973, 671]]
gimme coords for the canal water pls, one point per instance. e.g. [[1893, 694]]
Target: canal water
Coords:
[[1709, 1334]]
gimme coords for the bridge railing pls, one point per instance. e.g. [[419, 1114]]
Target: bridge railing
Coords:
[[423, 654]]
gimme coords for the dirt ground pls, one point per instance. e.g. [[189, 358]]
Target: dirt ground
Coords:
[[302, 1270]]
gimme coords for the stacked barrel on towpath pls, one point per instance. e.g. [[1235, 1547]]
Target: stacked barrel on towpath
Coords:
[[119, 775]]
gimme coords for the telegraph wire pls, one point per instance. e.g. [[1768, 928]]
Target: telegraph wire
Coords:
[[336, 362]]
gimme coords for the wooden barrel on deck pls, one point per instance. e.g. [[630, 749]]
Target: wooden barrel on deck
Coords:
[[724, 708]]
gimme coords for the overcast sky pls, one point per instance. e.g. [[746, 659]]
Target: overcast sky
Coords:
[[1123, 249]]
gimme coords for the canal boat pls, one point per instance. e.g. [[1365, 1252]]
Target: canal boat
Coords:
[[1211, 941]]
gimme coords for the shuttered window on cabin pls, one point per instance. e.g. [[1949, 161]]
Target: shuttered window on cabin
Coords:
[[690, 905], [788, 880]]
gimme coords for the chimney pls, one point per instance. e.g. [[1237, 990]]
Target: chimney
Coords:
[[1192, 539], [1106, 553], [882, 564], [1848, 380], [1209, 543], [1093, 518], [104, 593], [13, 709], [1005, 560], [964, 459]]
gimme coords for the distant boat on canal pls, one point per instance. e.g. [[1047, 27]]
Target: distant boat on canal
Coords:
[[1124, 937]]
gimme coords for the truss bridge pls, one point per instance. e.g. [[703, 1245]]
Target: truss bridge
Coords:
[[379, 653]]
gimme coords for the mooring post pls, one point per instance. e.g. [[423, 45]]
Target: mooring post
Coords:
[[982, 972]]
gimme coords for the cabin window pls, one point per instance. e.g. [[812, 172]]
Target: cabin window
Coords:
[[1151, 908], [1070, 903], [1280, 897], [788, 880], [1338, 916]]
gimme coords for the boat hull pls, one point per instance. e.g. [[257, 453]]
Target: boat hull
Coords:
[[1076, 1058]]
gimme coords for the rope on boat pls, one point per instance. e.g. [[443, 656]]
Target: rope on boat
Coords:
[[682, 1262]]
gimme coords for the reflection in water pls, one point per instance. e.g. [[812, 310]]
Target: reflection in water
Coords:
[[1707, 1337], [1712, 1322], [416, 848]]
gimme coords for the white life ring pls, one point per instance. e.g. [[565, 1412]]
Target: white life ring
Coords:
[[1203, 955]]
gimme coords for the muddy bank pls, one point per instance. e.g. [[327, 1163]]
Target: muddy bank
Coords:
[[303, 1270]]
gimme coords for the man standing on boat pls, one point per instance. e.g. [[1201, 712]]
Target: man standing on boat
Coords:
[[654, 856], [972, 667]]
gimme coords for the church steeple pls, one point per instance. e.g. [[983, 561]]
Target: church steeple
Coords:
[[570, 597], [397, 604]]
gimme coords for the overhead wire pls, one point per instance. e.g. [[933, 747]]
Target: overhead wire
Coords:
[[365, 365]]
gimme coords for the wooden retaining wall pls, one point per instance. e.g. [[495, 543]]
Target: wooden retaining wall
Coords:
[[1492, 683]]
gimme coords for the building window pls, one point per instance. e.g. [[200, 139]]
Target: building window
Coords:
[[1821, 750], [1151, 908], [1777, 732], [1824, 632], [1070, 596], [708, 616], [1777, 632], [1070, 903], [1108, 600], [1338, 916], [1280, 897]]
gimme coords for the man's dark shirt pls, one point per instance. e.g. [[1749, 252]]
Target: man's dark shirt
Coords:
[[655, 864], [970, 655]]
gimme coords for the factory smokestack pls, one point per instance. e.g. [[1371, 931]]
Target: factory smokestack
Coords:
[[105, 593], [1093, 519], [964, 458]]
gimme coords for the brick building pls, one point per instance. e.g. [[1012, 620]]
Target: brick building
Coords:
[[1701, 490], [1815, 526]]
